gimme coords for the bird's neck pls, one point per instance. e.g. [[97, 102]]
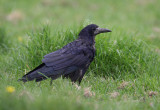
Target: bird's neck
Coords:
[[88, 39], [87, 36]]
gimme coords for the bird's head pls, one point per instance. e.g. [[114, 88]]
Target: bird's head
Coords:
[[92, 30]]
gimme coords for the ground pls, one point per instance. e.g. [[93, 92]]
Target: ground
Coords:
[[125, 72]]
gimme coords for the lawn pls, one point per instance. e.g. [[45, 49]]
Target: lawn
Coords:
[[125, 74]]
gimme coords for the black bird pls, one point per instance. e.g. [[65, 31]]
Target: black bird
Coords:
[[71, 61]]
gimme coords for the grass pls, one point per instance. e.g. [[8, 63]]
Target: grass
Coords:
[[124, 74]]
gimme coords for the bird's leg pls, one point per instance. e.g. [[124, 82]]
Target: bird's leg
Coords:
[[51, 82], [82, 72], [74, 76], [80, 79], [39, 84], [81, 76]]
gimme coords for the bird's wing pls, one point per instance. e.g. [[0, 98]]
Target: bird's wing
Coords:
[[70, 55]]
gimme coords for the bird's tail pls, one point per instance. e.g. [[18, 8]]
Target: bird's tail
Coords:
[[36, 74], [22, 79], [43, 72]]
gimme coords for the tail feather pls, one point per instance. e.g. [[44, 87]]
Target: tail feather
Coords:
[[34, 74], [43, 72], [23, 79]]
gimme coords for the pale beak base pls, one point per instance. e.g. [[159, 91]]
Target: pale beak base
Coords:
[[101, 30]]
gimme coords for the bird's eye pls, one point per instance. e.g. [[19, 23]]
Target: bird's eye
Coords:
[[93, 29]]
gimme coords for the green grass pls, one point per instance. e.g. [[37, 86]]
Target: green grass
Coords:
[[123, 76]]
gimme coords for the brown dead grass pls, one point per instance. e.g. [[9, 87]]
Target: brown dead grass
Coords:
[[88, 92], [26, 94], [47, 3], [152, 93], [145, 2], [123, 85], [15, 16], [156, 29], [158, 50], [114, 94]]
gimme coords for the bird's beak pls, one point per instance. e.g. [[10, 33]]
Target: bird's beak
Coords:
[[101, 30]]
